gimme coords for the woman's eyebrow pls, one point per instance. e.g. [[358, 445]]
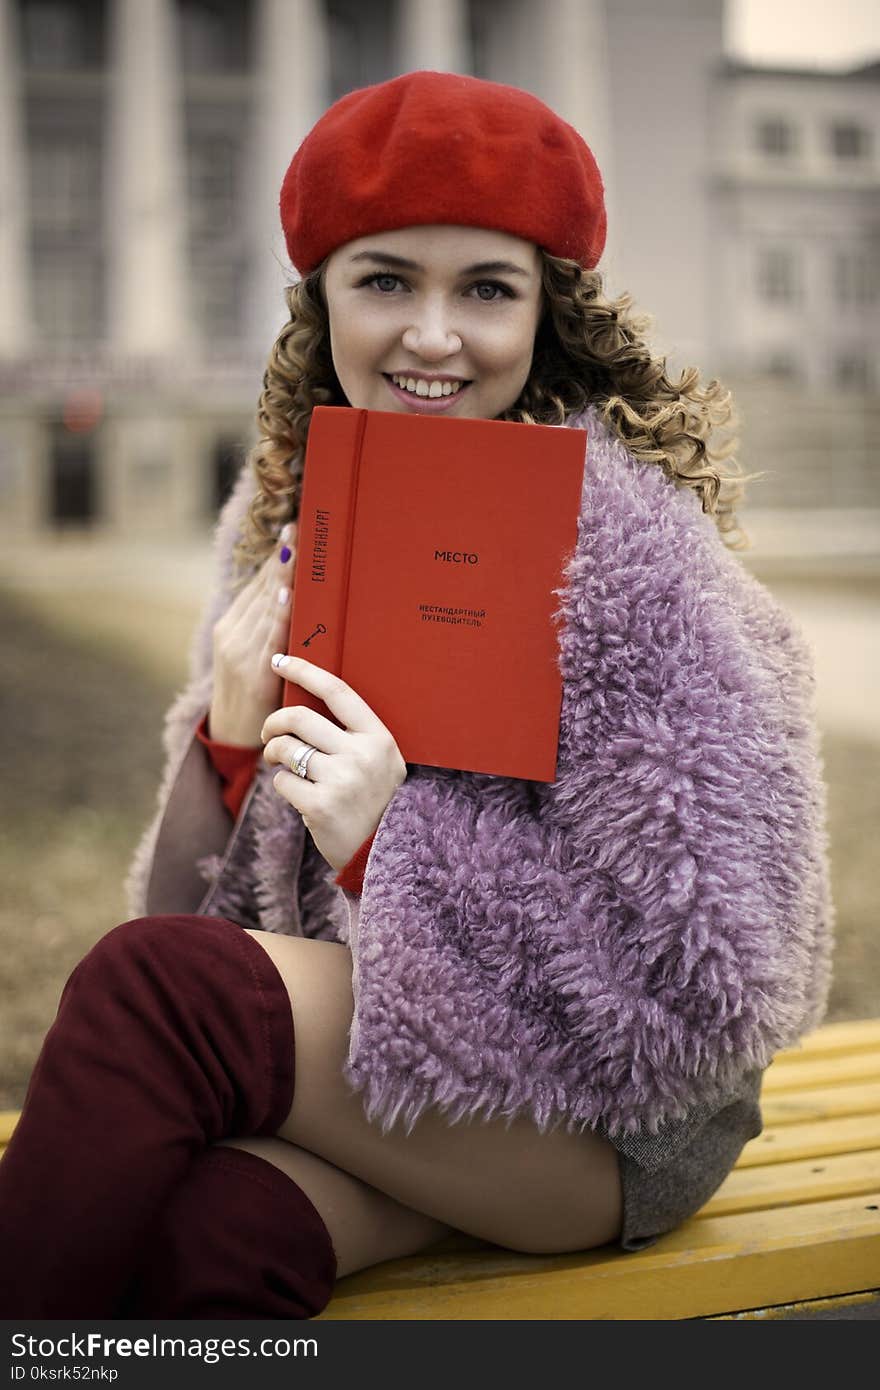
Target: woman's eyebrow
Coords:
[[481, 267]]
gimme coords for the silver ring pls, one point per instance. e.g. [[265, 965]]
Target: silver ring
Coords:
[[301, 761]]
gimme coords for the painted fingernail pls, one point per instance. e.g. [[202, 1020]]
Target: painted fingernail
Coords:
[[286, 553], [284, 596], [279, 660]]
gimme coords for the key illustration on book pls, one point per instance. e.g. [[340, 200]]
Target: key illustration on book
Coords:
[[317, 632]]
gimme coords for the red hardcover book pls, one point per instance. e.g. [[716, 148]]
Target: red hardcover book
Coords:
[[427, 555]]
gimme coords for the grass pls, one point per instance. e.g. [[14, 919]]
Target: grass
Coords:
[[80, 713]]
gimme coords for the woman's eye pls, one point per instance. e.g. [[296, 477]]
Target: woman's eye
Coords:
[[503, 291], [380, 281], [373, 281]]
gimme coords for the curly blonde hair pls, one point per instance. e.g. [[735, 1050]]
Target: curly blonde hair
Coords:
[[589, 349]]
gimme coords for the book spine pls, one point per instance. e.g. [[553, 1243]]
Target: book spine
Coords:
[[320, 591], [357, 455]]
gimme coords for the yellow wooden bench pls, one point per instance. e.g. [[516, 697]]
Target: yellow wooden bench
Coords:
[[796, 1223]]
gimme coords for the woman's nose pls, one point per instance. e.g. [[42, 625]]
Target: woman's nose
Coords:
[[432, 336]]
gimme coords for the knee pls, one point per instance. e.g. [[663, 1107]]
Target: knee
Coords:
[[143, 945]]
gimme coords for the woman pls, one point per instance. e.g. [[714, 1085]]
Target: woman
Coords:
[[270, 1079]]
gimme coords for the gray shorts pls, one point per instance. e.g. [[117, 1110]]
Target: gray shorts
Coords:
[[667, 1178]]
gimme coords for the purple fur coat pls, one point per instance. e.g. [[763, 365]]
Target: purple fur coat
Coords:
[[608, 950]]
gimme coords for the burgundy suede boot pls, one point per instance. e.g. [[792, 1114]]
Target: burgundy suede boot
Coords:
[[238, 1239], [172, 1033]]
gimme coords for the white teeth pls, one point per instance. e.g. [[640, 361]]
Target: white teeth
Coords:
[[420, 387]]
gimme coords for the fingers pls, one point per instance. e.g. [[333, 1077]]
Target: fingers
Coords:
[[284, 551], [305, 724], [266, 611], [284, 750], [257, 598], [343, 702], [279, 575], [277, 570]]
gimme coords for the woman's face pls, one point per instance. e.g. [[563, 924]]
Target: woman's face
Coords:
[[430, 305]]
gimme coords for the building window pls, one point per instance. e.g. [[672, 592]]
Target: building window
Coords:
[[775, 136], [361, 44], [852, 371], [73, 499], [215, 35], [67, 297], [781, 365], [217, 305], [480, 24], [65, 187], [62, 34], [213, 165], [849, 140], [856, 277], [226, 464], [777, 277]]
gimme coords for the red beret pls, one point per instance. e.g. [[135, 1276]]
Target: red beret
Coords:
[[436, 147]]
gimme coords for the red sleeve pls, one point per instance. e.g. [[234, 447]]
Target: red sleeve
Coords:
[[352, 876], [234, 766]]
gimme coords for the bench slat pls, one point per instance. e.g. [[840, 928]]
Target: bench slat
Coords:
[[820, 1103], [785, 1184], [719, 1265], [833, 1039], [821, 1071], [812, 1308], [850, 1134]]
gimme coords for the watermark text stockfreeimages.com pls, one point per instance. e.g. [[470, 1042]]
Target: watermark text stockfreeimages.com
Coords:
[[90, 1346]]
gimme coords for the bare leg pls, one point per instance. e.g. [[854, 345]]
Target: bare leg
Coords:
[[365, 1225], [509, 1185]]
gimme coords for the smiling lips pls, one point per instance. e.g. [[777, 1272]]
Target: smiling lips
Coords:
[[425, 396], [422, 386]]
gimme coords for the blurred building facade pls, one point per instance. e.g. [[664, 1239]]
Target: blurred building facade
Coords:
[[795, 236], [143, 142]]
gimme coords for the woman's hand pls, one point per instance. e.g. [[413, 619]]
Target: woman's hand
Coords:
[[353, 775], [254, 626]]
